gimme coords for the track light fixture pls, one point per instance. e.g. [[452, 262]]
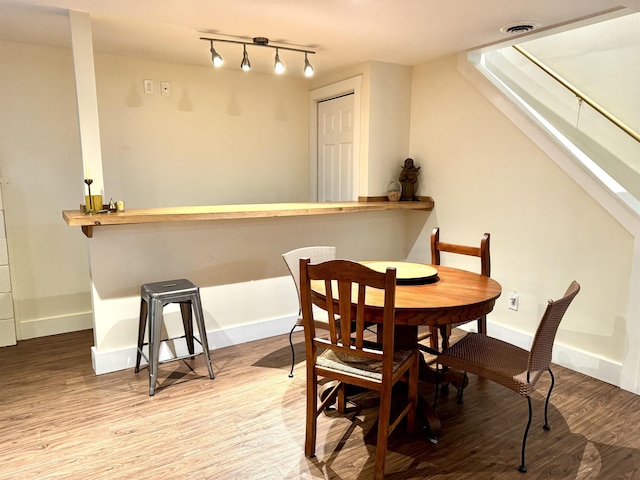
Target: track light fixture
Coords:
[[308, 69], [245, 65], [216, 59], [278, 66]]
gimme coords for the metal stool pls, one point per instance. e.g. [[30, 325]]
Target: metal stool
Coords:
[[153, 298]]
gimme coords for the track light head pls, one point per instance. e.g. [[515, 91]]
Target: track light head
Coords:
[[308, 68], [278, 66], [216, 59], [245, 65]]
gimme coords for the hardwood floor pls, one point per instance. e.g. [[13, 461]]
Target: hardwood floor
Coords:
[[58, 420]]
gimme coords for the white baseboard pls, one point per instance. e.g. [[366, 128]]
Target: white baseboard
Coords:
[[577, 360], [111, 361], [43, 327], [122, 359]]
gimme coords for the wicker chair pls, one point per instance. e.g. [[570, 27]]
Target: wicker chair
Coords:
[[485, 260], [316, 254], [345, 357], [511, 366]]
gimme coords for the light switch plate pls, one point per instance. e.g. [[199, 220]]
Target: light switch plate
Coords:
[[514, 301]]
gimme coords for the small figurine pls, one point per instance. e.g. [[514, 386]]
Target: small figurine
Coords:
[[409, 179]]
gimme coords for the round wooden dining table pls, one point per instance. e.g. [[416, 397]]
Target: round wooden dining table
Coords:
[[433, 295]]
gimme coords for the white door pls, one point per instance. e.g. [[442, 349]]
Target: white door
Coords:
[[335, 149]]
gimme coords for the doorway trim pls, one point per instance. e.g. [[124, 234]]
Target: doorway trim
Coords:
[[351, 85]]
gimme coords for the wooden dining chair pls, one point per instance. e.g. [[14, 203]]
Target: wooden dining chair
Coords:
[[509, 365], [344, 356], [437, 247], [316, 254]]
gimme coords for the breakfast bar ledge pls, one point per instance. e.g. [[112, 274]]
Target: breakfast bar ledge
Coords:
[[77, 218]]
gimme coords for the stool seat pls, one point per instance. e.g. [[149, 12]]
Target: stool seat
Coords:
[[153, 298]]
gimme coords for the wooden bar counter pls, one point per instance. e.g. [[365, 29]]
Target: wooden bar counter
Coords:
[[76, 218]]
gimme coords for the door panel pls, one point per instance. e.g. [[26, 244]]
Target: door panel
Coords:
[[335, 149]]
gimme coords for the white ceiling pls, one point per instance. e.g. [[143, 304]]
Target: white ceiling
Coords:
[[342, 32]]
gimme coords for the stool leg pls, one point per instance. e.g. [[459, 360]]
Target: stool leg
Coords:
[[197, 307], [187, 321], [142, 325], [155, 327]]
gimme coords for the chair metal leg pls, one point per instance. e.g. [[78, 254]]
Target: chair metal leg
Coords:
[[461, 389], [202, 330], [142, 325], [187, 322], [155, 326], [522, 468], [293, 353], [546, 404]]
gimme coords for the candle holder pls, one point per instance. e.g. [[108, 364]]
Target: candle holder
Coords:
[[89, 208]]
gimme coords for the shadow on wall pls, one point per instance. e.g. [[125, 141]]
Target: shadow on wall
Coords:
[[185, 104]]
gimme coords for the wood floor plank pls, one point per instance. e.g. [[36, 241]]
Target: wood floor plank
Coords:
[[58, 420]]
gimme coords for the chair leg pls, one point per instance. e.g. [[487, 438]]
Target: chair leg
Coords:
[[202, 329], [341, 399], [461, 389], [522, 468], [312, 413], [142, 325], [413, 396], [384, 418], [155, 327], [187, 322], [546, 404], [293, 353]]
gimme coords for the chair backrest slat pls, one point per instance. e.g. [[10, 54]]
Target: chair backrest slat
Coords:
[[483, 251], [332, 316]]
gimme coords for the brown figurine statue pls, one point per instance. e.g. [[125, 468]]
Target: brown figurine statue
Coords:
[[409, 179]]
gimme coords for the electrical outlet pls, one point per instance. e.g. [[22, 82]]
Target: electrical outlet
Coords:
[[514, 300], [165, 89], [148, 87]]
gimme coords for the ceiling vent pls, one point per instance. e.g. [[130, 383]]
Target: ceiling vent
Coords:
[[519, 27]]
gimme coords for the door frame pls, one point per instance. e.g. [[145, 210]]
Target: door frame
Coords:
[[351, 85]]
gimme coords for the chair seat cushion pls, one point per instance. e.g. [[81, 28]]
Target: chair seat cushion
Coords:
[[493, 359], [356, 365]]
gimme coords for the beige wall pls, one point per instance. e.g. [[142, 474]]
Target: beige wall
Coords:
[[222, 136], [487, 176], [389, 117], [40, 158]]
